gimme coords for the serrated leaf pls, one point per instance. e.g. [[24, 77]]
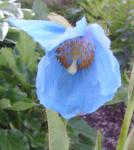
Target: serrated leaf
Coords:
[[13, 140], [20, 106], [5, 103], [58, 138]]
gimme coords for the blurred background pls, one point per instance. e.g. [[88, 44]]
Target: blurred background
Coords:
[[23, 123]]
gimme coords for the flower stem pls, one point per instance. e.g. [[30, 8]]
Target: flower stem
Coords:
[[126, 124]]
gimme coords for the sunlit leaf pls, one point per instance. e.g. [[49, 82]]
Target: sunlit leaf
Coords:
[[20, 106], [5, 103], [28, 13], [11, 9], [59, 19]]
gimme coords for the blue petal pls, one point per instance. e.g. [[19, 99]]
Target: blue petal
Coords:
[[97, 31], [69, 95], [44, 32], [107, 66], [70, 33], [49, 34]]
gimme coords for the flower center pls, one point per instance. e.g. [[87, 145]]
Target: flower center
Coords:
[[75, 54]]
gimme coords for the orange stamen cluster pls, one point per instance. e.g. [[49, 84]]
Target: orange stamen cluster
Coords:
[[76, 49]]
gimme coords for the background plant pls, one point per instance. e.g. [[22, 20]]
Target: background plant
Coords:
[[24, 124]]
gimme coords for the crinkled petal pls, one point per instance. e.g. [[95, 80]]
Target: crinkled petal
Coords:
[[69, 95], [44, 32], [70, 33], [108, 73], [97, 32], [49, 34], [107, 66]]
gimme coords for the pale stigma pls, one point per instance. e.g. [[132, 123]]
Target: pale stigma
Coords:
[[72, 69], [75, 54]]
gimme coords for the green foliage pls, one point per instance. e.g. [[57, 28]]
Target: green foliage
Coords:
[[13, 140], [22, 121], [24, 124], [26, 51], [82, 136], [11, 9], [58, 138]]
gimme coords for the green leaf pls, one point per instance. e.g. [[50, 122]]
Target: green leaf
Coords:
[[129, 144], [9, 58], [5, 103], [38, 139], [121, 95], [58, 138], [7, 53], [98, 145], [40, 9], [13, 35], [13, 140], [27, 51], [81, 127], [83, 137], [28, 13], [20, 106], [11, 9]]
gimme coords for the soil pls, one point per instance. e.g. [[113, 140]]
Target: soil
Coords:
[[108, 119]]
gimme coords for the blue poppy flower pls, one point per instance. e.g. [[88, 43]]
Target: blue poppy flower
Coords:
[[79, 73]]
